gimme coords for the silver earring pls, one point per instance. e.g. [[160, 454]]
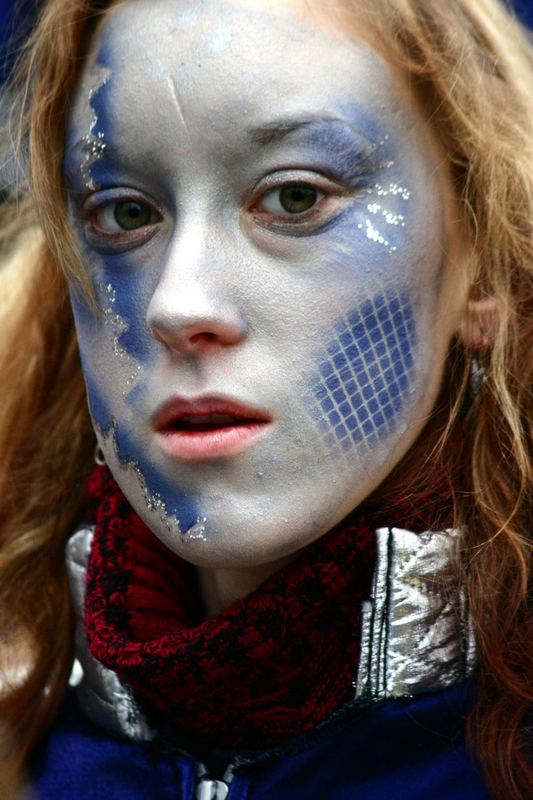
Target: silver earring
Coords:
[[99, 457], [476, 378]]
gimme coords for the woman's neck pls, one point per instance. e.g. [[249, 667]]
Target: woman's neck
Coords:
[[220, 587]]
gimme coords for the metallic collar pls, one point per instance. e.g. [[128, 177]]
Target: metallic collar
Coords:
[[416, 631]]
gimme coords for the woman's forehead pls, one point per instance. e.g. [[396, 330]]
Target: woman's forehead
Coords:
[[242, 46], [206, 67]]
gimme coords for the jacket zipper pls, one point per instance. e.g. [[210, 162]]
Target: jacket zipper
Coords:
[[208, 789]]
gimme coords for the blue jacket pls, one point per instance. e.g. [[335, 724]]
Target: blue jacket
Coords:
[[402, 749]]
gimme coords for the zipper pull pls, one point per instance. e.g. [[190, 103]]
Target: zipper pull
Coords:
[[212, 790]]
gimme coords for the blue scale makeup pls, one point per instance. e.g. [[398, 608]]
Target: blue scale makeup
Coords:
[[364, 376], [288, 264]]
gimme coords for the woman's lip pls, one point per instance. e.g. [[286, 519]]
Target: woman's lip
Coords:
[[206, 445], [208, 441]]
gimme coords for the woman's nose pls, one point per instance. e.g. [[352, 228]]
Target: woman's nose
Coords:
[[188, 321]]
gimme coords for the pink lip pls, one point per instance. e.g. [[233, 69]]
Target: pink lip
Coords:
[[207, 428]]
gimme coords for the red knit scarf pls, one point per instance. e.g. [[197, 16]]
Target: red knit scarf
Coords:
[[272, 665]]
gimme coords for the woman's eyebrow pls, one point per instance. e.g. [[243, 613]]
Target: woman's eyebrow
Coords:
[[274, 132]]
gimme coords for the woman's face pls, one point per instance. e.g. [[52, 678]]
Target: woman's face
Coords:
[[262, 215]]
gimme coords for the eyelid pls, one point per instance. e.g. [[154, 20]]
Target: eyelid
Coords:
[[122, 194], [335, 195], [280, 178], [112, 242]]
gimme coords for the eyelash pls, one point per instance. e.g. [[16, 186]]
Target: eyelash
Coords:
[[264, 207]]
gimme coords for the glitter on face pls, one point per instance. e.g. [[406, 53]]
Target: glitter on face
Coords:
[[393, 189], [93, 144], [365, 375], [329, 305], [119, 327]]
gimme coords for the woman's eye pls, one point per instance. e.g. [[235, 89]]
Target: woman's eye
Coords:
[[294, 198], [124, 215]]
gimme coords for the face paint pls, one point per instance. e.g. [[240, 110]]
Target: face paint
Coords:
[[265, 239]]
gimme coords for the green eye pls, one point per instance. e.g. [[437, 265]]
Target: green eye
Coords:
[[130, 215], [296, 198]]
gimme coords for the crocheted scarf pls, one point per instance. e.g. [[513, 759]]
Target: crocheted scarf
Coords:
[[273, 664]]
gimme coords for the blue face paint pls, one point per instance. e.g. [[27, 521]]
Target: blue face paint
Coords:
[[120, 291], [365, 374], [325, 303]]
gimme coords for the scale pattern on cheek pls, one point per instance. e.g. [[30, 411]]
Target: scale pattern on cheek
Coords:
[[365, 375]]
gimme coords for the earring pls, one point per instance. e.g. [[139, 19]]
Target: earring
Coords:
[[99, 457], [476, 378]]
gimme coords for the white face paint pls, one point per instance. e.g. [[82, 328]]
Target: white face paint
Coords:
[[261, 218]]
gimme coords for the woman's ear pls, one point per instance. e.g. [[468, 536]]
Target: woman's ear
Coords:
[[480, 323]]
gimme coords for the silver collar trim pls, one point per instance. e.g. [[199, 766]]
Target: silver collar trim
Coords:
[[416, 633]]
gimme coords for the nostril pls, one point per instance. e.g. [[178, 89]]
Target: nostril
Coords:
[[203, 338]]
